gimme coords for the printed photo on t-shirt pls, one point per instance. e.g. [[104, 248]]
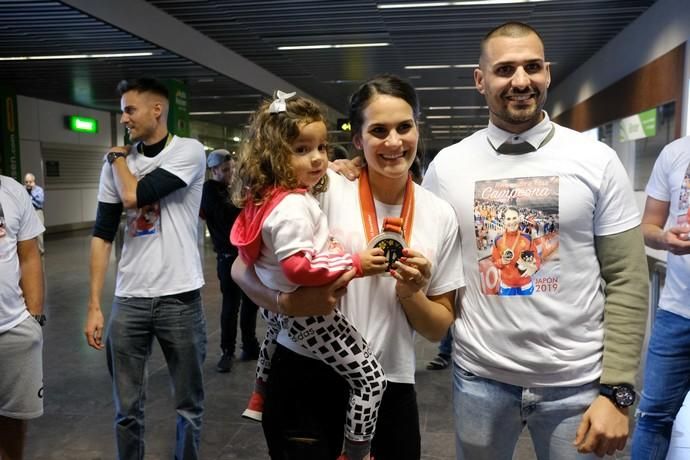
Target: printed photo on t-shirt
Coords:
[[144, 221], [682, 214], [516, 231]]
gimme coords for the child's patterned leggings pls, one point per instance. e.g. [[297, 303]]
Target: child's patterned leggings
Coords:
[[336, 342]]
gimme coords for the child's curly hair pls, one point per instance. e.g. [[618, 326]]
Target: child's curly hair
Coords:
[[264, 156]]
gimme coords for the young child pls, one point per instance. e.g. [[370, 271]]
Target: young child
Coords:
[[284, 234]]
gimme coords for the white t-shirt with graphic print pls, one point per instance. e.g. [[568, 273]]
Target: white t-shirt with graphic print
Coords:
[[567, 192], [670, 181], [18, 223], [160, 255]]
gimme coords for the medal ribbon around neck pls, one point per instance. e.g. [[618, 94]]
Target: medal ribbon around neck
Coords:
[[402, 224]]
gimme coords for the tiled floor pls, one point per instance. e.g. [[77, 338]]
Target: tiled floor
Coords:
[[77, 424]]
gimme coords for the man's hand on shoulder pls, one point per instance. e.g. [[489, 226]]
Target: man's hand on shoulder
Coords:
[[604, 428], [347, 168]]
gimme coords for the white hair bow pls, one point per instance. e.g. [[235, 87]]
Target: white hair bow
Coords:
[[279, 104]]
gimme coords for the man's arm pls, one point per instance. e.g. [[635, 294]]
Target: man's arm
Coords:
[[31, 280], [135, 194], [674, 239], [312, 301], [624, 269], [604, 427], [98, 267], [39, 198], [125, 181]]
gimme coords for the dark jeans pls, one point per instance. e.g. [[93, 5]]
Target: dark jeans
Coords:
[[235, 302], [304, 414], [178, 323]]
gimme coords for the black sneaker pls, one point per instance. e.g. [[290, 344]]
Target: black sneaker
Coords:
[[440, 362], [225, 363]]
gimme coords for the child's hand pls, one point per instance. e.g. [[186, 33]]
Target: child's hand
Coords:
[[373, 261], [412, 271]]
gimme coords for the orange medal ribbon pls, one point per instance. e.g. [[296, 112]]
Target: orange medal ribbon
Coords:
[[402, 224]]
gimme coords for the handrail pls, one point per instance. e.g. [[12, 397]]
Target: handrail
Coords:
[[658, 273]]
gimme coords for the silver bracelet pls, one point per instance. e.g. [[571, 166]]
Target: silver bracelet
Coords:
[[279, 308]]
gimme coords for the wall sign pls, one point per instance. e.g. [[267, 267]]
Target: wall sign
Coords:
[[82, 124], [638, 126]]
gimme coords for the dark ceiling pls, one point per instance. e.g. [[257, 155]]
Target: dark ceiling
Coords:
[[573, 30]]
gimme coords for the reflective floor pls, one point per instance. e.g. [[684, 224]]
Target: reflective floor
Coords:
[[77, 424]]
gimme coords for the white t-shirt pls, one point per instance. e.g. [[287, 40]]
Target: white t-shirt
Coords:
[[18, 222], [670, 182], [296, 224], [370, 303], [160, 255], [567, 192]]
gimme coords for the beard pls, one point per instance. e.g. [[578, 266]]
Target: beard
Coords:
[[134, 137], [524, 113]]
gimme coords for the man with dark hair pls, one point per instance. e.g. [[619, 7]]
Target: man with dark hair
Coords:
[[219, 214], [562, 360], [158, 181], [143, 85], [21, 318]]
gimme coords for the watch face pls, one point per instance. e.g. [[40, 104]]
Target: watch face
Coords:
[[625, 396]]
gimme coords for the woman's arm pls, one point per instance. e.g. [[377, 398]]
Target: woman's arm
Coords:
[[431, 316], [305, 301]]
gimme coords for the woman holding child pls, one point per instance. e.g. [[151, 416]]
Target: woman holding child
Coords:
[[306, 400]]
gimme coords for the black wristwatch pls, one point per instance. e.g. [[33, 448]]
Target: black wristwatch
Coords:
[[622, 395], [41, 319], [112, 156]]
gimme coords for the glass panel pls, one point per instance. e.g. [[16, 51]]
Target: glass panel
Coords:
[[647, 150], [638, 156]]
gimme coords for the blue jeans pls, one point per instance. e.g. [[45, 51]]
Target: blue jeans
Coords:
[[178, 323], [490, 415], [446, 346], [666, 382]]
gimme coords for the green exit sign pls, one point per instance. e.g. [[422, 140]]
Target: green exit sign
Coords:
[[82, 124]]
